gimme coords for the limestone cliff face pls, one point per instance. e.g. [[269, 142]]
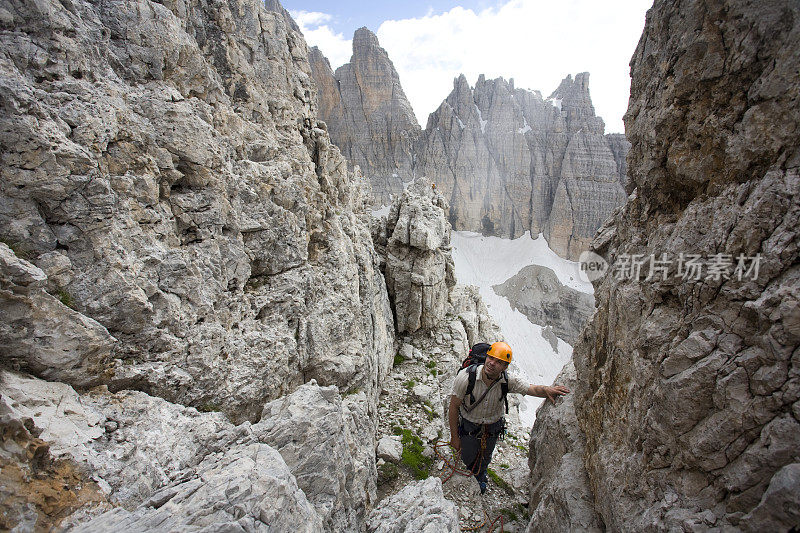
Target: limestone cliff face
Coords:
[[179, 234], [688, 387], [620, 147], [368, 115], [509, 162], [164, 164], [178, 228]]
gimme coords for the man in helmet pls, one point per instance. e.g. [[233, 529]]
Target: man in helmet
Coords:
[[476, 416]]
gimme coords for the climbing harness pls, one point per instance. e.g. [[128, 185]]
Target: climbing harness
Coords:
[[452, 465]]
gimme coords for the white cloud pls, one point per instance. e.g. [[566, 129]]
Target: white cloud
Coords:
[[306, 19], [334, 46], [535, 42]]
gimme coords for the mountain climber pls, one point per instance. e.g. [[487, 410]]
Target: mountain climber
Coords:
[[476, 424]]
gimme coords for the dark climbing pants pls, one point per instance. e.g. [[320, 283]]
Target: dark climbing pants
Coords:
[[471, 435]]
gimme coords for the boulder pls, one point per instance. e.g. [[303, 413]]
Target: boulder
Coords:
[[420, 506], [328, 446], [41, 334], [390, 449]]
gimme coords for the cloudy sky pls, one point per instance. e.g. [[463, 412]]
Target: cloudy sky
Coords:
[[535, 42]]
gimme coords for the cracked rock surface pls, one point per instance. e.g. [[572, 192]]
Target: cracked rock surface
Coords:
[[688, 382], [167, 467], [162, 162]]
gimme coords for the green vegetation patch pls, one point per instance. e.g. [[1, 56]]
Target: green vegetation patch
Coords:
[[499, 481], [519, 511], [66, 298], [387, 473], [398, 359], [512, 516], [412, 455], [209, 407], [19, 249], [431, 365]]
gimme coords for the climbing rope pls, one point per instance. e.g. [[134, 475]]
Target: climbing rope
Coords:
[[452, 465]]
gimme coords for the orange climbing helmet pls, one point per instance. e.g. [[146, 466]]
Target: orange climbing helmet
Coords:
[[500, 350]]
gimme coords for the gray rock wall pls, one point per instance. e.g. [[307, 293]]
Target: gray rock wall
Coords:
[[509, 161], [561, 494], [688, 385], [165, 162]]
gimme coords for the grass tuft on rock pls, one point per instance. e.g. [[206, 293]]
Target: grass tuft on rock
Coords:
[[387, 473], [66, 299], [412, 455], [499, 481], [19, 249]]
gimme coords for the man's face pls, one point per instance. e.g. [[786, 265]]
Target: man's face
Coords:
[[494, 367]]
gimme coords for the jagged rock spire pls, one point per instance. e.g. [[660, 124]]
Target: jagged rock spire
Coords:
[[368, 115]]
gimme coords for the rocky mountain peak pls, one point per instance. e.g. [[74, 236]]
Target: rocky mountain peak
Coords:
[[507, 160], [368, 114], [510, 162], [575, 103], [364, 39]]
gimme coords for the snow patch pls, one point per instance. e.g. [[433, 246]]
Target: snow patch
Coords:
[[556, 102], [525, 128], [492, 260], [461, 124], [382, 212], [480, 119]]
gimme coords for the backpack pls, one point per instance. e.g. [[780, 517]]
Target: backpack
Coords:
[[476, 357]]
